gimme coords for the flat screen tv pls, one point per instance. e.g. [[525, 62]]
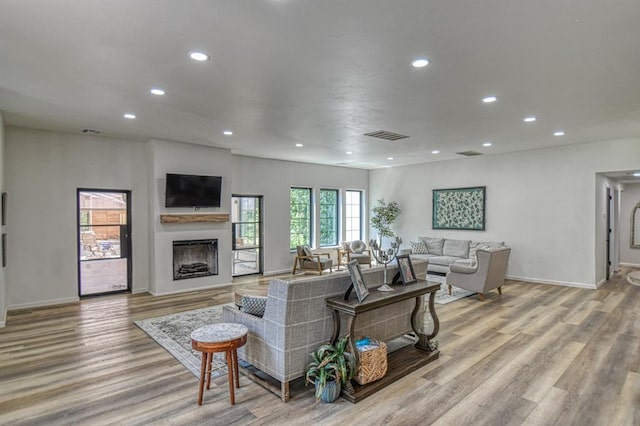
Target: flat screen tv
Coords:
[[193, 191]]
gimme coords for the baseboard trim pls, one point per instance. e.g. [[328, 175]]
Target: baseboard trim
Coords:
[[552, 282], [42, 303], [632, 265], [186, 290], [280, 272]]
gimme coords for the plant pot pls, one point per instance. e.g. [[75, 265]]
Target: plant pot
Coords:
[[331, 391]]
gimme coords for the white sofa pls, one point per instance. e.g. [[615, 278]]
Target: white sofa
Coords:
[[443, 252]]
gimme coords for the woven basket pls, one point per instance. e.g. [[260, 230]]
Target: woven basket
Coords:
[[373, 365]]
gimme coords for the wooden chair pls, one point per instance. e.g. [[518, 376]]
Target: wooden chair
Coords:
[[354, 250], [306, 260]]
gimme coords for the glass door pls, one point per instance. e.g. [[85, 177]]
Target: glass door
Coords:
[[104, 247], [246, 225]]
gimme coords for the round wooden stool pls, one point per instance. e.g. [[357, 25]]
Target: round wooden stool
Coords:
[[223, 337]]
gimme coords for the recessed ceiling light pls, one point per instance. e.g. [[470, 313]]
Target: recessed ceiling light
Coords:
[[487, 144], [435, 151], [199, 56], [530, 119], [349, 152], [228, 132], [157, 92], [420, 63], [636, 174], [129, 116], [299, 145], [559, 133], [389, 158], [489, 99]]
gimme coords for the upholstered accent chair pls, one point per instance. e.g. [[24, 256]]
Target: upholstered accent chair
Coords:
[[354, 250], [306, 260], [488, 273]]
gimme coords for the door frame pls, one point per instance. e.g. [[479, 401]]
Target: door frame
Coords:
[[125, 248]]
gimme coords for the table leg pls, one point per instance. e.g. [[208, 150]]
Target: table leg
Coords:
[[209, 361], [423, 338], [235, 367], [203, 369], [228, 356], [336, 327]]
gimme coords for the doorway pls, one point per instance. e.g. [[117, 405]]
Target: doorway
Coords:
[[246, 230], [104, 245]]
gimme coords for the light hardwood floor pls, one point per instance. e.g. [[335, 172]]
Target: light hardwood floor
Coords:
[[537, 355]]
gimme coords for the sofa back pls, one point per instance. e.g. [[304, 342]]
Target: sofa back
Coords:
[[297, 320]]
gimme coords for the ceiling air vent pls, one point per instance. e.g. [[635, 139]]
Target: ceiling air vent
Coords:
[[469, 153], [383, 134], [91, 131]]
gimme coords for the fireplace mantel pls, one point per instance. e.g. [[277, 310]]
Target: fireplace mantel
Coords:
[[195, 218]]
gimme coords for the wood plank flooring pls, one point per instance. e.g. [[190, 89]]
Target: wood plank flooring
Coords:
[[537, 355]]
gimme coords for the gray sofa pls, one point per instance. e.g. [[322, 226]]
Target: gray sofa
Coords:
[[441, 253], [296, 321]]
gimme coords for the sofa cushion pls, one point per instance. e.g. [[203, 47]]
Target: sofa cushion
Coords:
[[254, 305], [434, 245], [443, 260], [418, 247], [456, 248]]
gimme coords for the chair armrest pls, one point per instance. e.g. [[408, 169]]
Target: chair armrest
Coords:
[[463, 269]]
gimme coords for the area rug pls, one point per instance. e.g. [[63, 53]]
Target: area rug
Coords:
[[634, 278], [442, 295], [173, 333]]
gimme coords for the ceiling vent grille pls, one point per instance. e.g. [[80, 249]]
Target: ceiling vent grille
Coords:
[[91, 131], [469, 153], [383, 134]]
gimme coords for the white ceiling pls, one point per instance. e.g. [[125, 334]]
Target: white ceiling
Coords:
[[323, 73]]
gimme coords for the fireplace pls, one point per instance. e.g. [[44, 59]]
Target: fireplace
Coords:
[[195, 258]]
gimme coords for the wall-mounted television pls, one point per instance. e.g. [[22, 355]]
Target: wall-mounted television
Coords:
[[193, 191]]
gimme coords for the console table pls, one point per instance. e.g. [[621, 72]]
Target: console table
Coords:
[[400, 362]]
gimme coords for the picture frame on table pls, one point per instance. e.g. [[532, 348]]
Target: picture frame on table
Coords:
[[405, 268], [357, 280]]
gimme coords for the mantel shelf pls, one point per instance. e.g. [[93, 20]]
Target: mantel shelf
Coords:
[[195, 218]]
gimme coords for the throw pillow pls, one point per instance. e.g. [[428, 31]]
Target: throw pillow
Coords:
[[418, 247], [254, 305], [307, 251], [346, 246], [358, 246]]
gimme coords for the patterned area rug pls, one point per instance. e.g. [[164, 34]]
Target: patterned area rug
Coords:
[[634, 278], [173, 332], [442, 296]]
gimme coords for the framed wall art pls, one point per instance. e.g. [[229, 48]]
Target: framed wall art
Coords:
[[459, 208]]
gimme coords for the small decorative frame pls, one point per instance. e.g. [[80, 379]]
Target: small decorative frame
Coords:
[[405, 267], [4, 208], [357, 281], [459, 208]]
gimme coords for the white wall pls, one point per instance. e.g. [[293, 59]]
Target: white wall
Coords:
[[273, 179], [542, 203], [174, 157], [3, 285], [628, 200], [43, 171]]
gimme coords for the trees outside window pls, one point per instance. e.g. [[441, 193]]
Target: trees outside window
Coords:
[[328, 217], [301, 218]]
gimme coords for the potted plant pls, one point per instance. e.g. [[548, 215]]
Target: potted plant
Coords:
[[384, 215], [331, 367]]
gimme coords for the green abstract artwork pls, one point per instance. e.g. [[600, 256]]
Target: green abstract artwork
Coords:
[[459, 208]]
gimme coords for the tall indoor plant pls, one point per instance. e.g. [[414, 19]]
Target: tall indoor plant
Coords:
[[331, 367], [383, 217]]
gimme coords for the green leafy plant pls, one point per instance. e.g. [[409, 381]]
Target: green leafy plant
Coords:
[[330, 363], [384, 215]]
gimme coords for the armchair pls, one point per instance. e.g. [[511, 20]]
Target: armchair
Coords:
[[487, 274], [354, 250], [306, 260]]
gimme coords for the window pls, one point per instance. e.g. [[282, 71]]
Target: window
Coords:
[[328, 217], [353, 226], [300, 216]]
